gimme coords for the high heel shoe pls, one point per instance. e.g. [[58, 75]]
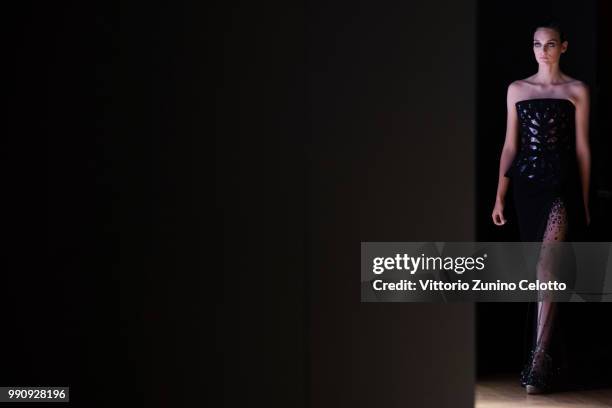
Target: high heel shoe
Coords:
[[541, 375]]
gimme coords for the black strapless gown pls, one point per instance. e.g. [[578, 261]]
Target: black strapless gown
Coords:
[[548, 198], [544, 173]]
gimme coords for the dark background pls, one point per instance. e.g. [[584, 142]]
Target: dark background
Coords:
[[392, 96], [504, 55], [330, 124], [105, 274]]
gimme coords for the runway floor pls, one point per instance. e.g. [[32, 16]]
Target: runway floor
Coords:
[[505, 391]]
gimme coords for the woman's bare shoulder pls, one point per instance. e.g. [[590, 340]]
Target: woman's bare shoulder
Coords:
[[517, 90], [578, 85], [579, 91]]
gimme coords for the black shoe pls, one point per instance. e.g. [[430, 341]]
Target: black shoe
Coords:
[[541, 375]]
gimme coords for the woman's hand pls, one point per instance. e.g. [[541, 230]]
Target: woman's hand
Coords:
[[498, 213]]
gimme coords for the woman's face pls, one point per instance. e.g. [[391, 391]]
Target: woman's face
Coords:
[[547, 46]]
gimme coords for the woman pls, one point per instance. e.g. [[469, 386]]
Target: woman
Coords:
[[546, 155]]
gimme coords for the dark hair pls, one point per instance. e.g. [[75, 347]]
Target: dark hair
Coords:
[[553, 25]]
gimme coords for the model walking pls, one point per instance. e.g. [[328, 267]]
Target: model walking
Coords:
[[546, 155]]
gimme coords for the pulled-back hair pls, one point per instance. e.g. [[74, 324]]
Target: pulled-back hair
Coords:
[[553, 25]]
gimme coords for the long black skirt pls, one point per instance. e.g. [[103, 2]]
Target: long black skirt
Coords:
[[541, 211]]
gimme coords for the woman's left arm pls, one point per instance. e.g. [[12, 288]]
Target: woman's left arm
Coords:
[[583, 151]]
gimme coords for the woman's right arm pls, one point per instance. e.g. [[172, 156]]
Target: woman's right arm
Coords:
[[507, 155]]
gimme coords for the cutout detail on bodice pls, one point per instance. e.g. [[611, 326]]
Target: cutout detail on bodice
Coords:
[[547, 140]]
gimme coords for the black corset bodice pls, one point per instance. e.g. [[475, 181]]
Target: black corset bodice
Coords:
[[547, 141]]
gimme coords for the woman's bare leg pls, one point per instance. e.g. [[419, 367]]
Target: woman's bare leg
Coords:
[[547, 269]]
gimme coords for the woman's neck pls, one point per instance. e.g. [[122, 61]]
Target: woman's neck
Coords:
[[549, 74]]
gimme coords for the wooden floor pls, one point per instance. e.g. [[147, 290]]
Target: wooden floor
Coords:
[[502, 392]]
